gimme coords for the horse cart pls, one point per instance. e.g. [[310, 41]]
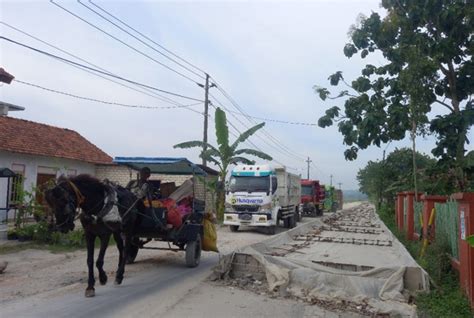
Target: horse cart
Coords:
[[186, 231]]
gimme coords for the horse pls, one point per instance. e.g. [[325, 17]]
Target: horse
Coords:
[[93, 202]]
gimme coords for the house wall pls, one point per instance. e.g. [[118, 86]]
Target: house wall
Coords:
[[39, 164], [123, 175]]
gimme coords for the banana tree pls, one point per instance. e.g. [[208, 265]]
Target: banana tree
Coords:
[[225, 154]]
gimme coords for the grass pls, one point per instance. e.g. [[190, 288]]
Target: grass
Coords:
[[446, 298]]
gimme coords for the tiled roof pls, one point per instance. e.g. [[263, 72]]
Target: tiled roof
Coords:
[[23, 136]]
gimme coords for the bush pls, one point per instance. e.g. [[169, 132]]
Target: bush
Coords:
[[446, 300]]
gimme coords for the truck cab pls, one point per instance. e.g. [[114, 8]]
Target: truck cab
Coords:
[[312, 197], [261, 196]]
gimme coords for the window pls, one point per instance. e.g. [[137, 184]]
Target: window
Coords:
[[17, 184]]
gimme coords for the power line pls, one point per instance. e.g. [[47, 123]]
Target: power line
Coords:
[[271, 137], [148, 38], [103, 101], [146, 92], [274, 120], [122, 42], [250, 142], [242, 123], [97, 70], [135, 37], [284, 152]]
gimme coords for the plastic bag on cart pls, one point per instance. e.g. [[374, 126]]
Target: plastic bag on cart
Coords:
[[209, 241]]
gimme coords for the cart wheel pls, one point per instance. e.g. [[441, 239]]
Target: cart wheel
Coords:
[[193, 252], [132, 254], [234, 228]]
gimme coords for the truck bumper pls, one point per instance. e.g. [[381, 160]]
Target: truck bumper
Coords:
[[254, 219]]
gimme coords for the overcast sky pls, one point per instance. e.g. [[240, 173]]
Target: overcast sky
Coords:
[[266, 54]]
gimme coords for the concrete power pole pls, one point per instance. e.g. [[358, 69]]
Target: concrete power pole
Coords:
[[308, 161], [206, 116], [331, 180]]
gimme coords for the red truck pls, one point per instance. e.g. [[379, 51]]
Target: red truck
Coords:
[[312, 198]]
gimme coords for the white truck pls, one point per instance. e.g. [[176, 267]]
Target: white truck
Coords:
[[259, 195]]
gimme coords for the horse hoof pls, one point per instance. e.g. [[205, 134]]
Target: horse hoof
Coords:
[[90, 292], [103, 280], [118, 281]]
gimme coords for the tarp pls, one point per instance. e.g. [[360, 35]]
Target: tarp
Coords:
[[351, 256]]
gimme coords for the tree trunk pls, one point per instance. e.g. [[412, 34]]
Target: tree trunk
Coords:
[[413, 139]]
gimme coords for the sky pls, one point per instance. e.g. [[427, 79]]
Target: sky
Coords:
[[267, 55]]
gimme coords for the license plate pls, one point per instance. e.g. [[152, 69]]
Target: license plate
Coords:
[[245, 217]]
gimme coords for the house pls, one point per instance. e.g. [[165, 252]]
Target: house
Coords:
[[38, 153]]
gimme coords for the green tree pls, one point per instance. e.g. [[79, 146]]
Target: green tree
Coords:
[[381, 180], [226, 154], [428, 47]]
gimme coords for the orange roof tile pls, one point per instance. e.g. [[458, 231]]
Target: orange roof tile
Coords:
[[23, 136]]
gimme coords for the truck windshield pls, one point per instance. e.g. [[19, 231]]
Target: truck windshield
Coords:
[[249, 184], [307, 190]]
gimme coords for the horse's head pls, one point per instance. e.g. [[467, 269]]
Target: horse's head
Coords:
[[64, 202]]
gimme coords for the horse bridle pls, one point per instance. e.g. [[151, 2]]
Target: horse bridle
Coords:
[[80, 198]]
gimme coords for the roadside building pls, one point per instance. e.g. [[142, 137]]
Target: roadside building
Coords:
[[38, 153]]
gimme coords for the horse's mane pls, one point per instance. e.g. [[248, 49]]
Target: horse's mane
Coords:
[[87, 180]]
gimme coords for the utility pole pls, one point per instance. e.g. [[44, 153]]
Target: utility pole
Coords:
[[331, 180], [206, 115], [308, 161], [339, 183]]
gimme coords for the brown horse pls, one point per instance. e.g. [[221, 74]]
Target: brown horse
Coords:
[[95, 204]]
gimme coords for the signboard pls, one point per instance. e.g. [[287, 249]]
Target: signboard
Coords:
[[462, 226]]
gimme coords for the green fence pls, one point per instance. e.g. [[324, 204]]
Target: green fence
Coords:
[[447, 225], [418, 207]]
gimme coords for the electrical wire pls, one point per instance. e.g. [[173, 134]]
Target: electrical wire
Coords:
[[145, 92], [103, 101], [123, 42], [138, 39], [146, 37], [97, 70], [271, 137]]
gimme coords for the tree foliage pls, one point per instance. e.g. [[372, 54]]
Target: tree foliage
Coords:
[[225, 153], [428, 47], [381, 180]]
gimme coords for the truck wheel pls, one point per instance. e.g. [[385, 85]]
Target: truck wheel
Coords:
[[271, 230], [286, 222], [193, 252], [234, 228], [292, 221]]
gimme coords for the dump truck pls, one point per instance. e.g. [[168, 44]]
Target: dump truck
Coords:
[[312, 198], [330, 199], [262, 196]]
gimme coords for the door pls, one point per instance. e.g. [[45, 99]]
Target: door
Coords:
[[43, 181]]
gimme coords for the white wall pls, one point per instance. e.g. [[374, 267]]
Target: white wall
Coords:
[[34, 164]]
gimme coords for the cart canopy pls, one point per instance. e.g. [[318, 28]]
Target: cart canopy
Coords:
[[162, 165]]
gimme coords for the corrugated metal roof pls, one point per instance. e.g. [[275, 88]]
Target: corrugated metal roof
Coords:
[[161, 165]]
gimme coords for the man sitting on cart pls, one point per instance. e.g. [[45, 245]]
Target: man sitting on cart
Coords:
[[141, 188]]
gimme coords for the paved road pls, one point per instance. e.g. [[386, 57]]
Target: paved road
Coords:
[[166, 284]]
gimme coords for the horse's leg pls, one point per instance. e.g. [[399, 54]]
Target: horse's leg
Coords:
[[90, 240], [104, 242], [121, 263]]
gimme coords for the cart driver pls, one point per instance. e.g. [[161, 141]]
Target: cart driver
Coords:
[[141, 187]]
